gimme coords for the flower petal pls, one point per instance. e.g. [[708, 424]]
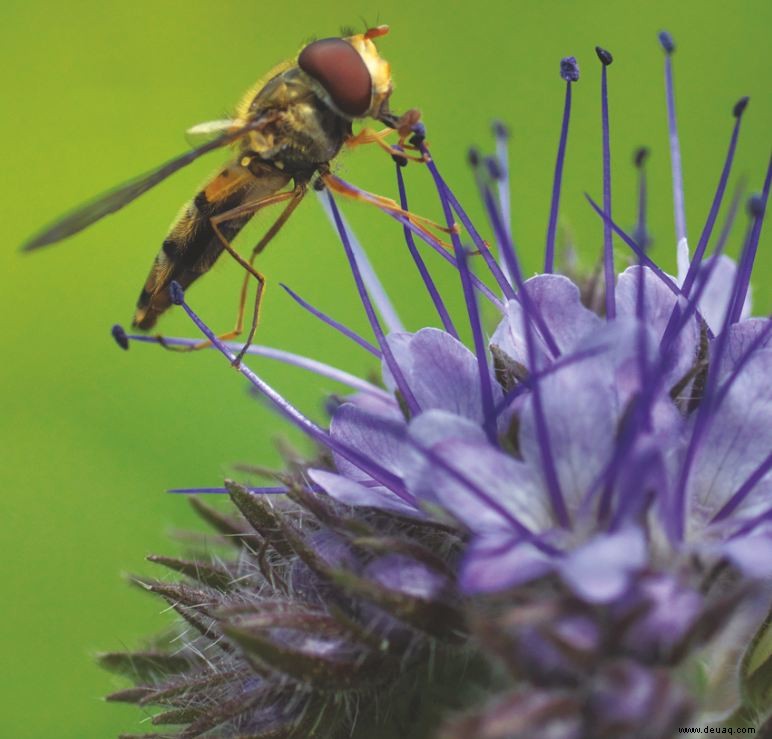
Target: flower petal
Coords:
[[353, 493], [441, 372], [498, 560], [478, 485], [752, 555], [558, 302], [380, 438], [715, 298], [737, 441], [658, 305], [600, 570]]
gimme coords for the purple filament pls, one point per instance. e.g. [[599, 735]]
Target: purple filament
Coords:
[[446, 194], [366, 345], [545, 445], [296, 360], [549, 253], [699, 252], [388, 356], [640, 253], [675, 147], [434, 294], [608, 246], [369, 276], [318, 434], [480, 349], [745, 268]]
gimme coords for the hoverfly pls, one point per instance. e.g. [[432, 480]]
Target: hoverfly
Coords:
[[287, 129]]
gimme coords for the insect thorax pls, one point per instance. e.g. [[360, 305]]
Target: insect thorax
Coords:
[[306, 132]]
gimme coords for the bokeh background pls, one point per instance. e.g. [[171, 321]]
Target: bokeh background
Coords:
[[95, 92]]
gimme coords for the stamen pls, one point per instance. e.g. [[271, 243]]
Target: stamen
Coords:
[[666, 40], [295, 360], [370, 277], [742, 492], [640, 253], [271, 490], [318, 434], [757, 343], [388, 356], [501, 134], [480, 347], [757, 206], [734, 207], [438, 246], [706, 412], [545, 445], [608, 247], [699, 252], [364, 343], [507, 249], [445, 193], [309, 487], [437, 461], [641, 232], [558, 364], [678, 321], [569, 71], [439, 305], [756, 521]]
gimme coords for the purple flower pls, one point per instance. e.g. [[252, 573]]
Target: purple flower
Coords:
[[586, 489]]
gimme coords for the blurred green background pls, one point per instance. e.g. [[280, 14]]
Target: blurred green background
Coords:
[[95, 92]]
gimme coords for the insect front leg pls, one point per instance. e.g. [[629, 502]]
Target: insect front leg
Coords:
[[424, 225], [371, 136]]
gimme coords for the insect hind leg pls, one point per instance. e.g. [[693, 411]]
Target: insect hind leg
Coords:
[[294, 196]]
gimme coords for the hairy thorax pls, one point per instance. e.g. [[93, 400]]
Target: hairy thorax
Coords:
[[302, 132]]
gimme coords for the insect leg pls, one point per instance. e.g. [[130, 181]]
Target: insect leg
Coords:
[[424, 225], [371, 136], [297, 195], [239, 211]]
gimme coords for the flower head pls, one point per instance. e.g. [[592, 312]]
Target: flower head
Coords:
[[561, 514]]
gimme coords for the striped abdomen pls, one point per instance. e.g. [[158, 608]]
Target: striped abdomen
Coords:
[[192, 247]]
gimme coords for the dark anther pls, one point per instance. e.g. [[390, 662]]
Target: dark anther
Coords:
[[756, 205], [740, 106], [494, 170], [500, 130], [667, 42], [569, 69], [640, 156], [318, 184], [120, 337], [604, 56], [399, 161], [176, 292], [419, 134], [473, 157]]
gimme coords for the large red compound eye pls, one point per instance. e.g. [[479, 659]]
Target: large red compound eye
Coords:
[[339, 68]]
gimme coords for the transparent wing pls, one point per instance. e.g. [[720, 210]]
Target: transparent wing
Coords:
[[115, 199], [203, 132]]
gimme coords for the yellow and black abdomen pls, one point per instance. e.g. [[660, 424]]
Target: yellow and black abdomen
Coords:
[[192, 246]]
